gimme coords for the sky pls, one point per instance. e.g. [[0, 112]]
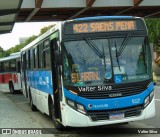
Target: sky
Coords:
[[9, 40]]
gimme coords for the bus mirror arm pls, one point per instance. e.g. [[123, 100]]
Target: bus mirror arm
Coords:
[[58, 58]]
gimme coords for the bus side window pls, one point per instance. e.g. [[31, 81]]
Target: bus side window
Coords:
[[18, 66], [1, 67], [37, 57], [34, 57], [46, 55], [43, 59], [40, 49], [46, 59], [12, 65], [23, 60], [28, 62], [6, 66], [31, 59]]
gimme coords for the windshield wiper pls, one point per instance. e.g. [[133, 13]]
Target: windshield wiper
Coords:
[[123, 45], [117, 56], [93, 47]]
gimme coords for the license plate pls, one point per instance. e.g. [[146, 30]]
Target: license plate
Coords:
[[116, 116]]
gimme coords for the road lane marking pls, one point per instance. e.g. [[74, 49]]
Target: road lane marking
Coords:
[[157, 99]]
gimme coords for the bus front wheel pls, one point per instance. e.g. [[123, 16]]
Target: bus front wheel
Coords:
[[11, 88]]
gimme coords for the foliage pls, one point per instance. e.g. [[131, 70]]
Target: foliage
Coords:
[[153, 26], [2, 53], [18, 47], [45, 29]]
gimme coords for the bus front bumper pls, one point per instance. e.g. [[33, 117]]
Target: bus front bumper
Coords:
[[74, 118]]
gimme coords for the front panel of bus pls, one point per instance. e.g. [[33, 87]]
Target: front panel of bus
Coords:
[[107, 73]]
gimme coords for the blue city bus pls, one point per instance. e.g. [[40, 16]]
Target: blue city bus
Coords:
[[90, 71]]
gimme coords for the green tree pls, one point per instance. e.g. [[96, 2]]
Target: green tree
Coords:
[[18, 47], [2, 53], [45, 29], [153, 25]]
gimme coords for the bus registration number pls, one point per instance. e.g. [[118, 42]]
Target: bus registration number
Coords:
[[116, 116]]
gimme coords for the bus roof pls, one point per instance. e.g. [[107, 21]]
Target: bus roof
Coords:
[[12, 56], [16, 53], [106, 17]]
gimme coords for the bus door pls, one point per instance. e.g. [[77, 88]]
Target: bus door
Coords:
[[18, 68], [24, 80], [56, 79]]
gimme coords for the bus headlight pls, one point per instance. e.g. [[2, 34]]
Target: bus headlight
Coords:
[[80, 108], [146, 101], [151, 95], [76, 106], [70, 103]]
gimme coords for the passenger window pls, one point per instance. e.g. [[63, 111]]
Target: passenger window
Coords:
[[40, 48], [34, 58], [1, 67], [12, 65], [31, 59], [46, 55], [6, 66]]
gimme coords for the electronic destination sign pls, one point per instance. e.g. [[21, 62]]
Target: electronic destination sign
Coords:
[[100, 26]]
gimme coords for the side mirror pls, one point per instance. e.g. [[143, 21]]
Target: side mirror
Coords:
[[58, 58]]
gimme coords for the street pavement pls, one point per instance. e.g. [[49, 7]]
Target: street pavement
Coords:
[[15, 112]]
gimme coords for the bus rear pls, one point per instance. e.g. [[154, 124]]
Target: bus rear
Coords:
[[106, 71]]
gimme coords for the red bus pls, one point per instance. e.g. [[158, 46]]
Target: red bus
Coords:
[[10, 79]]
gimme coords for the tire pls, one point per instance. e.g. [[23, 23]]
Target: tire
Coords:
[[11, 88], [56, 123], [33, 107]]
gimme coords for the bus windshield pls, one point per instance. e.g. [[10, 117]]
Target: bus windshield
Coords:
[[95, 61]]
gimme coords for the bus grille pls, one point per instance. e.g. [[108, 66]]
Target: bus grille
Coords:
[[104, 115], [118, 90]]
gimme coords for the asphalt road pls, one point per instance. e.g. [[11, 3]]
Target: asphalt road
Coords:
[[155, 121], [15, 112]]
